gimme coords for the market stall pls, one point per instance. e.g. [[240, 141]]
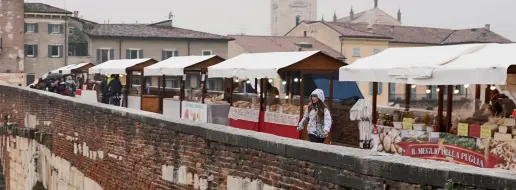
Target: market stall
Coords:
[[274, 114], [200, 103], [131, 71], [482, 136]]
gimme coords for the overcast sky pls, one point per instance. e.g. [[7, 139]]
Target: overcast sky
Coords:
[[253, 16]]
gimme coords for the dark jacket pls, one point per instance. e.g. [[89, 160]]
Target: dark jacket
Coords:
[[114, 88]]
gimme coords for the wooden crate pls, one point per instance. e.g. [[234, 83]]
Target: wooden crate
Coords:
[[150, 103]]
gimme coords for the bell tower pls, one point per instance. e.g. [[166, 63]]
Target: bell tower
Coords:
[[286, 14]]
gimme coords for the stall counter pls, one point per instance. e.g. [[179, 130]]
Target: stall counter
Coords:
[[134, 102], [172, 108]]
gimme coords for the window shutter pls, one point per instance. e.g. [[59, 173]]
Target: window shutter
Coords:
[[99, 56], [61, 29], [49, 51], [127, 52], [380, 88], [35, 50], [26, 49], [49, 28], [36, 28], [176, 53], [140, 54], [25, 29], [111, 54], [413, 93], [61, 51], [163, 55]]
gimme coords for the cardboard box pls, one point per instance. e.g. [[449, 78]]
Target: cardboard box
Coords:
[[474, 130], [502, 129], [509, 122]]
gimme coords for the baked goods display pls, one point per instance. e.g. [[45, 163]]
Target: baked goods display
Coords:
[[246, 105], [285, 108]]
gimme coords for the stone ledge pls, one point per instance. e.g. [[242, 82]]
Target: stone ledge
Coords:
[[333, 159]]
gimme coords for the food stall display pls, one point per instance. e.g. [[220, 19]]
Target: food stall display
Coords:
[[481, 136], [131, 72], [264, 110], [193, 100]]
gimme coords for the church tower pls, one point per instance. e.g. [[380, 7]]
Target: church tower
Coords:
[[286, 14]]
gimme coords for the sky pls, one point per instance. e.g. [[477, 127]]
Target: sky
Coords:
[[252, 17]]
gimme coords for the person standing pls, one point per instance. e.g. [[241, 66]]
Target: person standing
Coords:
[[114, 91], [318, 118], [70, 86], [103, 90]]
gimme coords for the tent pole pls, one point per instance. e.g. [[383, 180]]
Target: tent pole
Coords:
[[375, 96], [142, 88], [261, 95], [331, 91], [477, 96], [449, 108], [162, 93], [408, 94], [291, 87], [487, 94], [440, 108]]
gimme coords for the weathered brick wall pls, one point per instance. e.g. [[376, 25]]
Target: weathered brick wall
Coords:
[[121, 148]]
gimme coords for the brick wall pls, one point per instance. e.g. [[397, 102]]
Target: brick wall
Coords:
[[93, 146]]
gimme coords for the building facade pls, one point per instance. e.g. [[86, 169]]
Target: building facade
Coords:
[[46, 34], [11, 42], [285, 14]]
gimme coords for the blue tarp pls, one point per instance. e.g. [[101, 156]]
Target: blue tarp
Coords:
[[342, 90]]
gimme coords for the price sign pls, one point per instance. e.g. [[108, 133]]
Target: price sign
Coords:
[[485, 131], [407, 123], [463, 129]]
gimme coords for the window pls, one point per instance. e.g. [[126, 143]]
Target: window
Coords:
[[134, 54], [55, 51], [376, 51], [31, 50], [298, 19], [165, 54], [54, 28], [71, 30], [356, 52], [215, 84], [172, 81], [104, 55], [31, 27], [206, 52]]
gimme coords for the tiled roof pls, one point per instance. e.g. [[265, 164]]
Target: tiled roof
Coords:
[[44, 8], [149, 31], [347, 31], [263, 44], [375, 15], [422, 35]]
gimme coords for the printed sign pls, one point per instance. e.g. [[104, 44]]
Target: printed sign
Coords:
[[194, 111], [463, 129], [485, 131], [407, 123]]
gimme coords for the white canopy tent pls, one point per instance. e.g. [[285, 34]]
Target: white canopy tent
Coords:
[[408, 65], [257, 65], [58, 69], [174, 65], [116, 66], [68, 70]]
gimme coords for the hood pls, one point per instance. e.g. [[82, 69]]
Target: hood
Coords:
[[319, 93]]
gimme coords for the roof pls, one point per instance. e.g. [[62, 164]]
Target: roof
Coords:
[[371, 16], [83, 20], [44, 8], [264, 44], [263, 65], [486, 63], [419, 35], [174, 65], [116, 66], [405, 65], [149, 31]]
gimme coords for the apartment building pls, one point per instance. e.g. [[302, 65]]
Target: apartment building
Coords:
[[45, 39]]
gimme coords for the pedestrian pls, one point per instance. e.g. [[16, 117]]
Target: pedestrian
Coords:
[[318, 118], [114, 91], [103, 90], [70, 86]]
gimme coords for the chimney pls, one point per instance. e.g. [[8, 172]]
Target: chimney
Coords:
[[375, 3], [399, 15], [76, 14], [488, 26], [392, 29], [351, 14]]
